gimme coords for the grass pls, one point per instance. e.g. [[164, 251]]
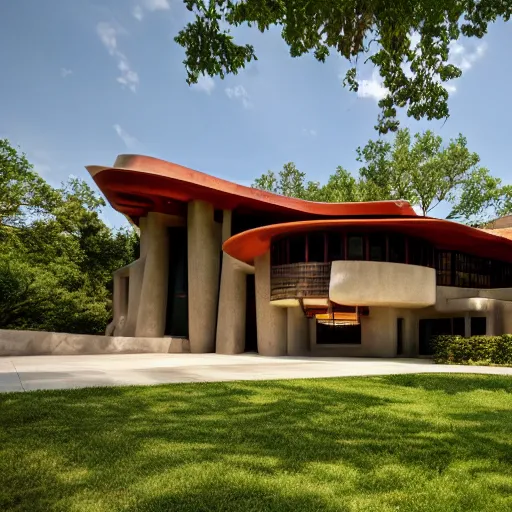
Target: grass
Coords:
[[395, 443]]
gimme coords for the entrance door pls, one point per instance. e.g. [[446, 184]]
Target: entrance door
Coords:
[[251, 338], [177, 295]]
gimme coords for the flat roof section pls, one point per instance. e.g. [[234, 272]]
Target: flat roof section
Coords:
[[136, 185]]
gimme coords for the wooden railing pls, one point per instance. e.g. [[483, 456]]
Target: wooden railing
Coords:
[[298, 280]]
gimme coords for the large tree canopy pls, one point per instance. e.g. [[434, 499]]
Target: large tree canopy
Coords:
[[382, 31], [419, 169], [56, 254]]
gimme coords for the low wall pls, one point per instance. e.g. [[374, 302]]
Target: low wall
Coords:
[[31, 343]]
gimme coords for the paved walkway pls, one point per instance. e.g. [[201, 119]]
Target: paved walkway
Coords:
[[57, 372]]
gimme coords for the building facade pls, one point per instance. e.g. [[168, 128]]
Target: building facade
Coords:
[[230, 269]]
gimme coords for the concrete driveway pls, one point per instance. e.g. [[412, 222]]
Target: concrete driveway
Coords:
[[29, 373]]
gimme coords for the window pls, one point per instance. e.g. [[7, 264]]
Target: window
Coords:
[[396, 248], [377, 244], [279, 254], [332, 334], [356, 248], [335, 246], [297, 249], [478, 326], [316, 246]]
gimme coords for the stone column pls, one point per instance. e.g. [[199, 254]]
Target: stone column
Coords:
[[232, 300], [203, 276], [153, 294], [271, 320], [467, 325], [297, 332]]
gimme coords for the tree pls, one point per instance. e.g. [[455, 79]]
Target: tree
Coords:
[[420, 170], [56, 263], [383, 31], [23, 193]]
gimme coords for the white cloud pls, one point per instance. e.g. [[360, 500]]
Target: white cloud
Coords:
[[157, 5], [129, 141], [150, 5], [64, 72], [238, 92], [108, 34], [310, 132], [372, 88], [138, 13], [205, 84], [463, 56]]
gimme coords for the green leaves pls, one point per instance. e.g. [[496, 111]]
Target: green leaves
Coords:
[[56, 254], [381, 31], [417, 169]]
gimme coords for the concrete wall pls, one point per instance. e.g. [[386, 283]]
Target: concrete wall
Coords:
[[230, 337], [25, 343], [144, 314], [271, 320], [376, 283], [297, 332], [204, 246]]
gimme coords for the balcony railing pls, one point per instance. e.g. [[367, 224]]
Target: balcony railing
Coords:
[[300, 280]]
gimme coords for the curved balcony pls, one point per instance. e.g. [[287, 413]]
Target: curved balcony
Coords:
[[294, 281], [375, 283]]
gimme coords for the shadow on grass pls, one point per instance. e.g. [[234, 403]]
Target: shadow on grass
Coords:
[[249, 445]]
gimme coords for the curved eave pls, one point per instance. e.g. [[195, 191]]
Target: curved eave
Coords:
[[443, 234], [138, 184]]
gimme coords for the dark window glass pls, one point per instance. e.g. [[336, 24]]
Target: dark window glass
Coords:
[[458, 326], [279, 253], [316, 244], [356, 247], [397, 248], [478, 325], [377, 244], [297, 249], [335, 246], [329, 334]]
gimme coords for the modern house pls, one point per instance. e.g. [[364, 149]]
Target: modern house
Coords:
[[230, 269]]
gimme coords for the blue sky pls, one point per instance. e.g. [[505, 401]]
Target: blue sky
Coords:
[[83, 81]]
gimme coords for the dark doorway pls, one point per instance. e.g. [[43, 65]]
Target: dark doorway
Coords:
[[177, 295], [478, 326], [251, 338], [429, 328], [399, 336]]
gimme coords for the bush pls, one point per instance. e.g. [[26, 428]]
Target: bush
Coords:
[[482, 350]]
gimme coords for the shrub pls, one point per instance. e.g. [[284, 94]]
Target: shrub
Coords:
[[483, 350]]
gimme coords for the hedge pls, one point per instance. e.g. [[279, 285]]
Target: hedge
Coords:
[[482, 350]]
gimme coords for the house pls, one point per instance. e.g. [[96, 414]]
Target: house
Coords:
[[229, 269]]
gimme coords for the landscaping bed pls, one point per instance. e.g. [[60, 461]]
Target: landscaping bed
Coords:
[[409, 442]]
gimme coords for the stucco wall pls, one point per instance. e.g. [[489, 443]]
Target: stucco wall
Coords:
[[271, 320], [376, 283], [25, 343]]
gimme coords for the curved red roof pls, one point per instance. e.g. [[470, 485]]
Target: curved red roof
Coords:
[[443, 234], [137, 184]]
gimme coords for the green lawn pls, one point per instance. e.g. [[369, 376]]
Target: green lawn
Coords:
[[422, 442]]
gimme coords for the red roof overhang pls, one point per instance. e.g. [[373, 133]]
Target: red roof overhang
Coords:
[[137, 184], [443, 234]]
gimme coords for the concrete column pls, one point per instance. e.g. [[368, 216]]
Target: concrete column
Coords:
[[271, 320], [297, 332], [230, 337], [467, 325], [153, 294], [312, 333], [203, 276]]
